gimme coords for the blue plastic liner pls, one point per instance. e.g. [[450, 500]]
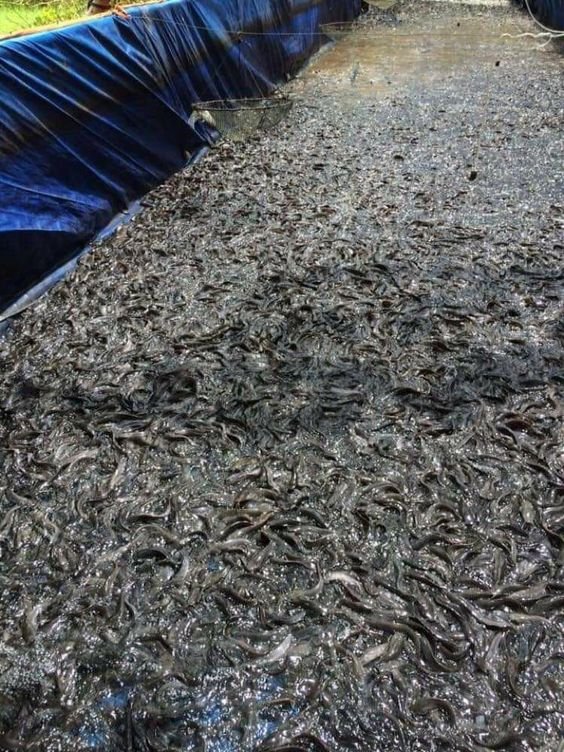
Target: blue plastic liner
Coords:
[[549, 12], [95, 114]]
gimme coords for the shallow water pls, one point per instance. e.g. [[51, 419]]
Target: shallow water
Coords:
[[373, 59]]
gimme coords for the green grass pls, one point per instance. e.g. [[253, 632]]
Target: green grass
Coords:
[[18, 16]]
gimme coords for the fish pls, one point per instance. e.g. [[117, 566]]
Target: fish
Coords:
[[282, 457]]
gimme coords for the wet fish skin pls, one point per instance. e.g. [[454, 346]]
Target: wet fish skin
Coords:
[[322, 400]]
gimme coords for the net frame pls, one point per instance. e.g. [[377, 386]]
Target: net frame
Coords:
[[339, 29], [238, 119]]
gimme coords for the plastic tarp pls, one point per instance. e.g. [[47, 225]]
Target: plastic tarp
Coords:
[[549, 12], [95, 114]]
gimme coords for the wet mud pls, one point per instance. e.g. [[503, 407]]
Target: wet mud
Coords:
[[283, 460]]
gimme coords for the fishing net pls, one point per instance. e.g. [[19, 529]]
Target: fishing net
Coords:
[[380, 4], [238, 119], [336, 31]]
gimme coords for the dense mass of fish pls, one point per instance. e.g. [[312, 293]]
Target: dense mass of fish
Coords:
[[283, 460]]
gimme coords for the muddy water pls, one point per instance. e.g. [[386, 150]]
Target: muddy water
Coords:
[[376, 60], [282, 459]]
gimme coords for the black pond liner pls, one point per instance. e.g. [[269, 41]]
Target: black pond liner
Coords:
[[548, 12]]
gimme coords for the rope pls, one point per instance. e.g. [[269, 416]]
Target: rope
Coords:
[[555, 32], [358, 30], [232, 32], [239, 33]]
